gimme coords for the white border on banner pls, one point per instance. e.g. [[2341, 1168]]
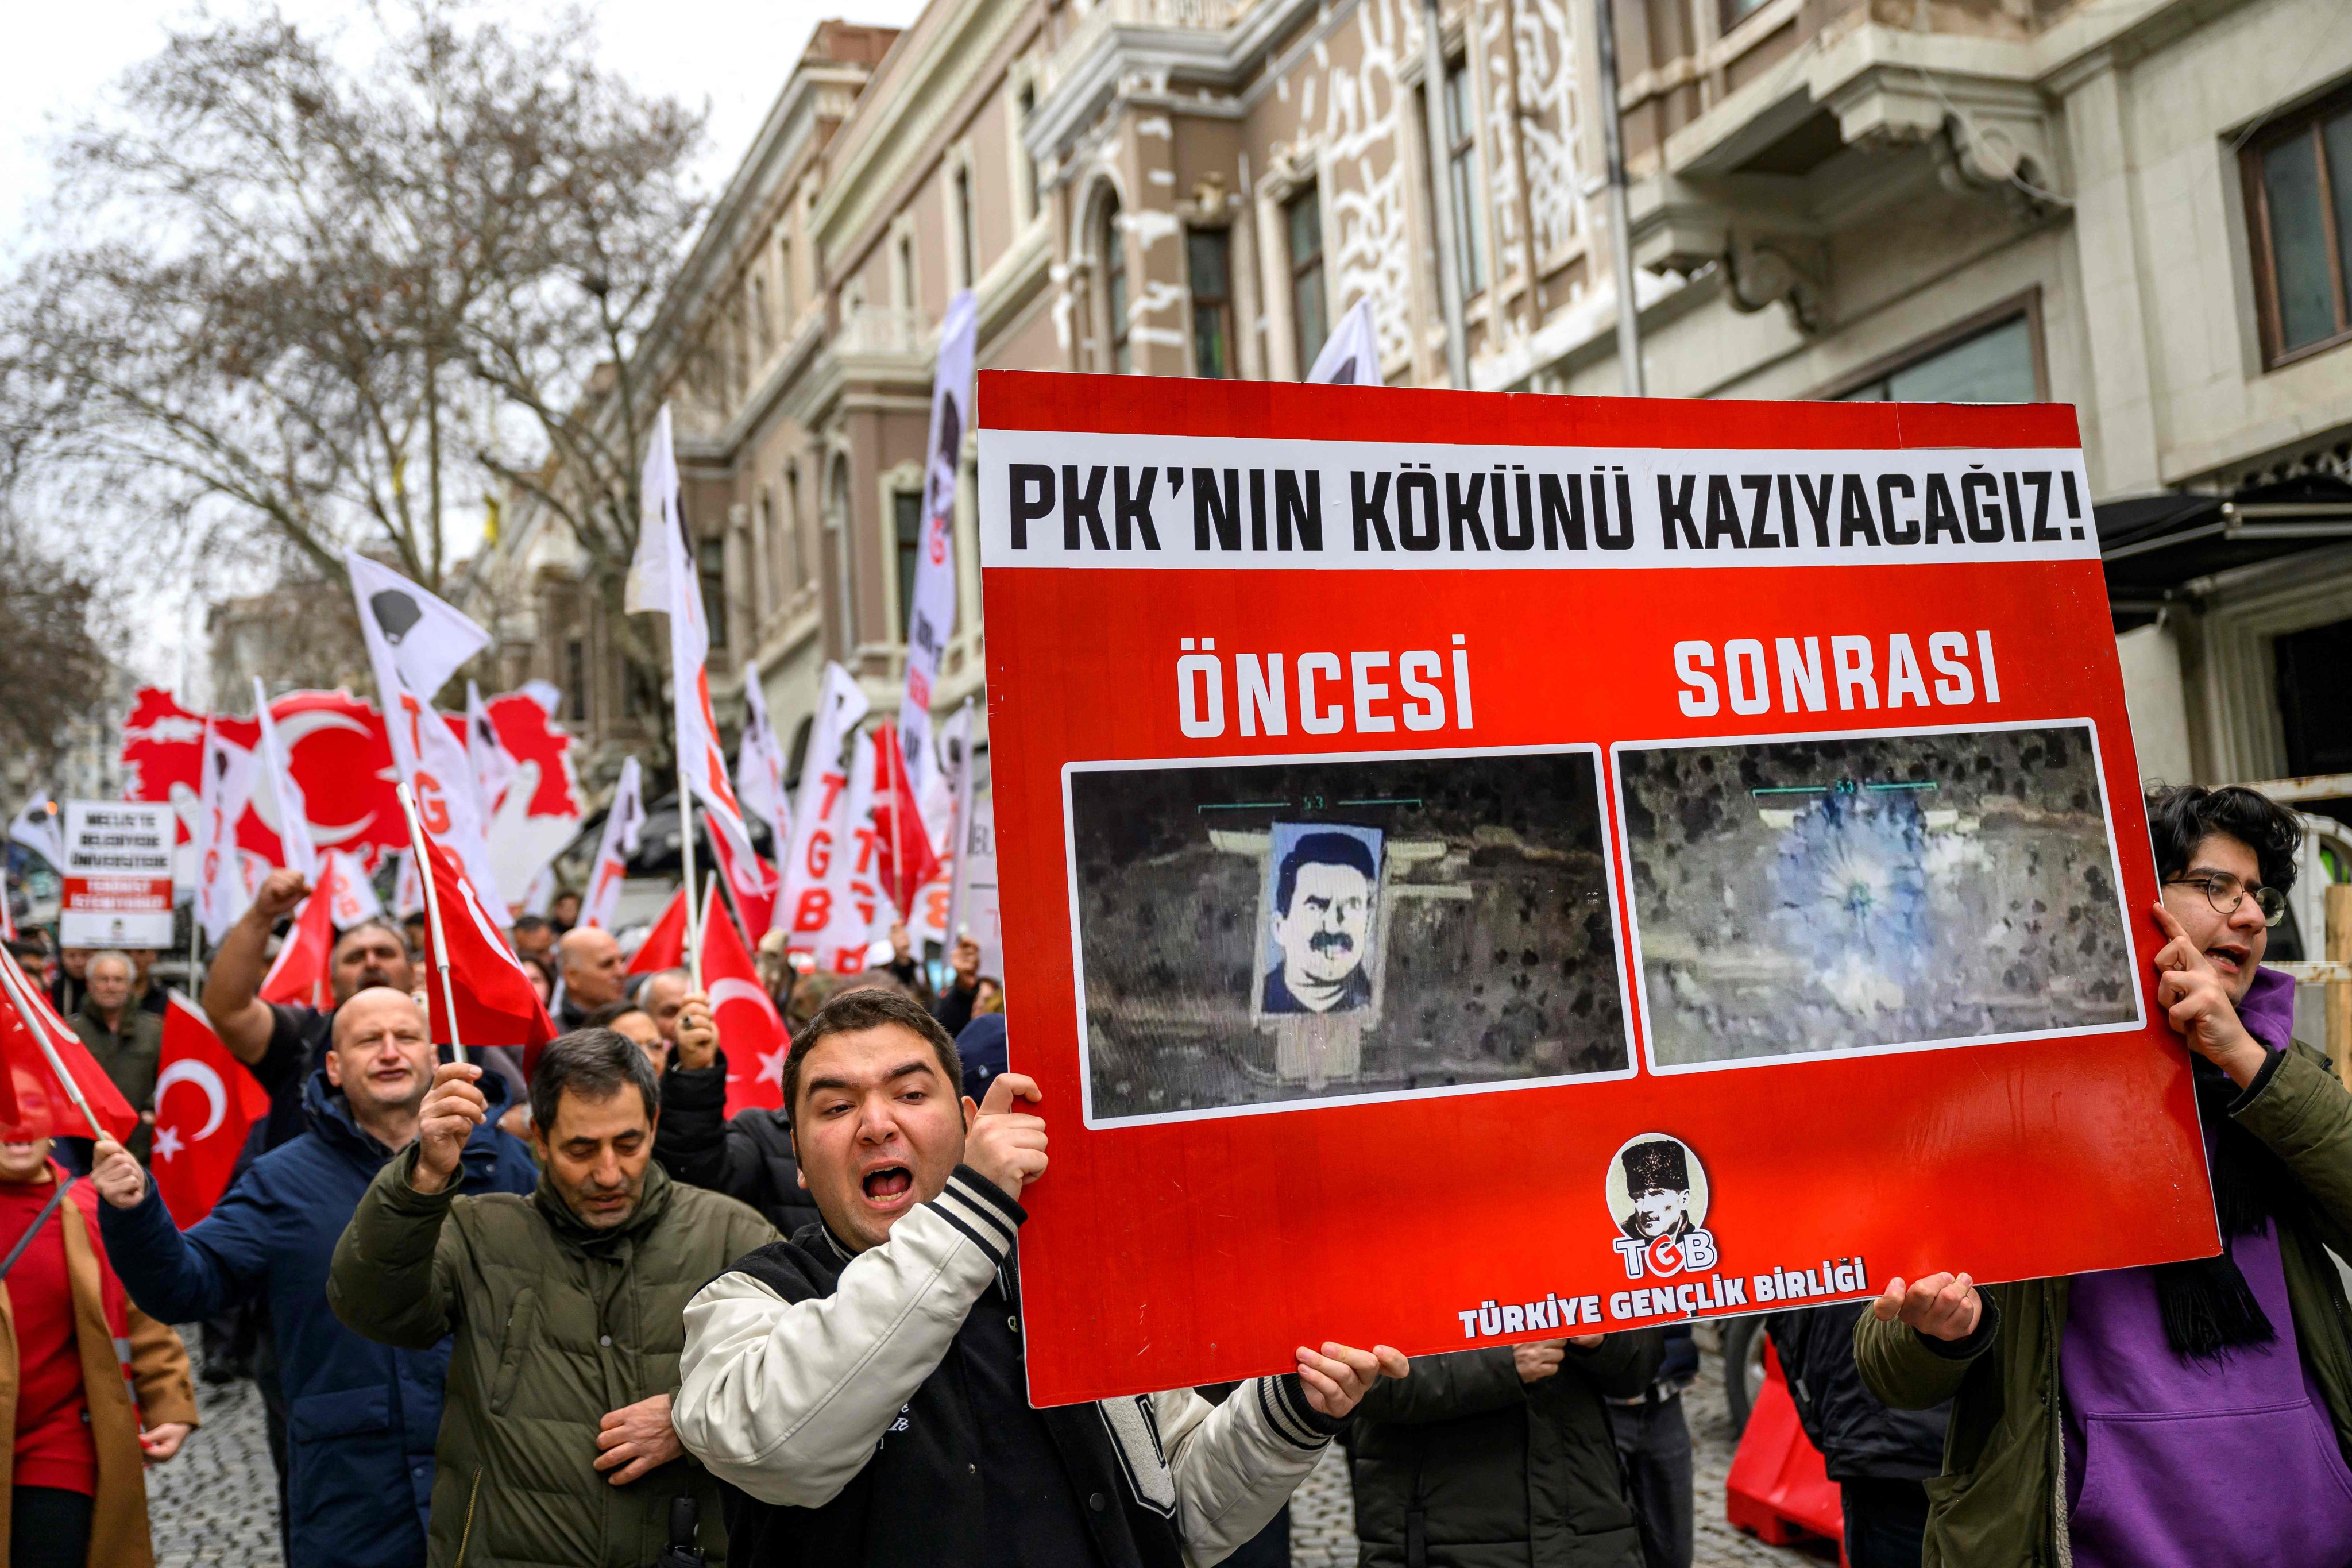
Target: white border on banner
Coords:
[[1848, 1053], [1078, 948]]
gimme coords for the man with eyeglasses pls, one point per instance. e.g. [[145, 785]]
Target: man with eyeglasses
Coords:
[[2192, 1413]]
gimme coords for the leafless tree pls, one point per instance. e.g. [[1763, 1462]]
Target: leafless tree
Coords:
[[334, 298], [52, 661]]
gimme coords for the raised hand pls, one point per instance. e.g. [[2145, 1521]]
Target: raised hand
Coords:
[[1005, 1145], [1538, 1360], [117, 1175], [965, 962], [697, 1036], [1943, 1306], [1336, 1380], [2196, 1003], [278, 893], [453, 1109]]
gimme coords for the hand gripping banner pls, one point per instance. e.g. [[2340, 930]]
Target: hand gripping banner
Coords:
[[1482, 867]]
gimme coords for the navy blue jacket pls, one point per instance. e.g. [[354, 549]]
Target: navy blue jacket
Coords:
[[361, 1418]]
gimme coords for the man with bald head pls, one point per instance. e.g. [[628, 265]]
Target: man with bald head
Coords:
[[280, 1043], [361, 1418], [589, 963], [124, 1039]]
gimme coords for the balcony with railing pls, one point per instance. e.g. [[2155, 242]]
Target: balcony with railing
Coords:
[[1114, 22]]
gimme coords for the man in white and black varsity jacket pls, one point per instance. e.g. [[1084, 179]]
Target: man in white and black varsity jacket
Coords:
[[860, 1387]]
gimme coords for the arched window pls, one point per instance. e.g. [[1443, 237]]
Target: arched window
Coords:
[[1119, 357]]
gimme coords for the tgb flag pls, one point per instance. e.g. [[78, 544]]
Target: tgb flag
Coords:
[[225, 786], [491, 991], [36, 828], [200, 1129], [820, 832], [931, 613], [298, 851], [662, 577], [416, 643], [624, 820], [1351, 354], [352, 897]]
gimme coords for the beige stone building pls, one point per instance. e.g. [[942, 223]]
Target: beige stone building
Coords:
[[2142, 207]]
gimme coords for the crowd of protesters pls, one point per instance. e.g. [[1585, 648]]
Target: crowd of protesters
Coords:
[[589, 1318]]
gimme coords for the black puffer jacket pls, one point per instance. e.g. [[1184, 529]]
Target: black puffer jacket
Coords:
[[1460, 1465], [1860, 1438], [749, 1159]]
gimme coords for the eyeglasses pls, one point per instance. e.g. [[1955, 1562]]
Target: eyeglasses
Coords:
[[2225, 893]]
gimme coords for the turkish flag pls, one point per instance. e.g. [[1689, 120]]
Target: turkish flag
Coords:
[[495, 1003], [665, 946], [299, 974], [750, 1030], [909, 861], [201, 1130], [26, 1021]]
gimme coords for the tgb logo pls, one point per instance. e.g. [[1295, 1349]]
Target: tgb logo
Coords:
[[1658, 1196]]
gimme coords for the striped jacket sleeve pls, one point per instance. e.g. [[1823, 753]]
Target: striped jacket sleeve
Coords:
[[1234, 1464], [787, 1399]]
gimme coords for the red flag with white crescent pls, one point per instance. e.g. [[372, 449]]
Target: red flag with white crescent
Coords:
[[496, 1002], [206, 1103], [665, 945], [751, 1031]]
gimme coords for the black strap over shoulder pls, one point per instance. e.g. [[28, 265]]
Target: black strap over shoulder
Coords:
[[34, 1229]]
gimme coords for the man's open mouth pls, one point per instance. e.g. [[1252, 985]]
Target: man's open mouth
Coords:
[[885, 1182], [2235, 957]]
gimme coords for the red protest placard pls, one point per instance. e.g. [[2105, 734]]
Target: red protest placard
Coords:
[[1481, 867]]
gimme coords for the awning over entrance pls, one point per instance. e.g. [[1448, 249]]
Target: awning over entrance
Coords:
[[2153, 546]]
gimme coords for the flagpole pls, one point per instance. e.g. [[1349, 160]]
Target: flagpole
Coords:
[[432, 913], [686, 848], [694, 951], [38, 1028]]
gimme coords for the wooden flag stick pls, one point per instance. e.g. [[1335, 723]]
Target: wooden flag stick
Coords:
[[432, 914], [34, 1026]]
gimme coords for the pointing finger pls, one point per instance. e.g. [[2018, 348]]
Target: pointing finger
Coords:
[[2167, 923]]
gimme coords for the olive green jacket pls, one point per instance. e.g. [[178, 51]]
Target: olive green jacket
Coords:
[[132, 1054], [554, 1325], [2001, 1500]]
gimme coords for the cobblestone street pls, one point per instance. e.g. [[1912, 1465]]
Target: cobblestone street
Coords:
[[216, 1506]]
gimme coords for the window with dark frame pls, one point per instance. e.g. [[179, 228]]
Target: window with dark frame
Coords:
[[2298, 184], [1309, 320], [1995, 364], [575, 678], [711, 563], [1735, 11], [1462, 180], [1207, 261], [906, 538], [1120, 357], [1028, 165], [968, 249]]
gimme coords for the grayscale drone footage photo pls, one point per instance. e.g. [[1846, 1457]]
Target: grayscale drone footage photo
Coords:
[[1797, 897], [1253, 934]]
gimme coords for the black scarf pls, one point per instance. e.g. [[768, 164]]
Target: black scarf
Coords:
[[2207, 1306]]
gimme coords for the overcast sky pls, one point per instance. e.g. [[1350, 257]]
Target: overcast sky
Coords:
[[62, 58]]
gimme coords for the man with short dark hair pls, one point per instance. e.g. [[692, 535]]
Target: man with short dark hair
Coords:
[[862, 1387], [1322, 914], [2187, 1413], [534, 937], [280, 1043], [556, 1440], [362, 1418], [126, 1041], [564, 910]]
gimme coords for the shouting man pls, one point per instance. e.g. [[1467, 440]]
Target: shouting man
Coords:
[[1323, 909], [863, 1383]]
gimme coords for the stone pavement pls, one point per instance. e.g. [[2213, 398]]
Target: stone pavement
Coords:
[[1322, 1515], [215, 1504]]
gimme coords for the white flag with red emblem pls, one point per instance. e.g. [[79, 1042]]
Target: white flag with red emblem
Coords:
[[624, 820], [494, 766], [759, 768], [225, 786], [353, 898], [749, 1029], [820, 833], [206, 1103], [496, 1004], [416, 643]]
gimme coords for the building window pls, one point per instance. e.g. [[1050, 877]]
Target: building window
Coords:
[[1462, 180], [791, 286], [2314, 699], [1121, 358], [1206, 257], [763, 326], [1738, 11], [1028, 165], [2298, 180], [1994, 366], [967, 249], [1308, 324], [797, 564], [711, 558], [906, 538], [576, 680]]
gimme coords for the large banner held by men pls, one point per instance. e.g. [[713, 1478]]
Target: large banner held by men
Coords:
[[1480, 868]]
